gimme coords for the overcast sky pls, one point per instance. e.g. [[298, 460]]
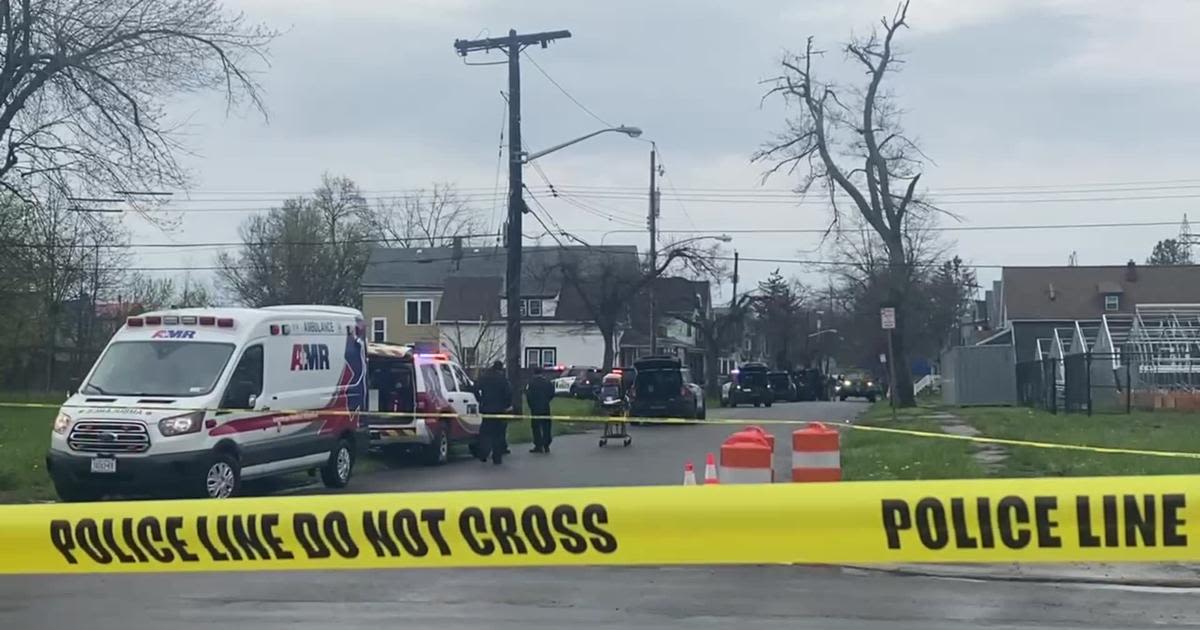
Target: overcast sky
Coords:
[[1009, 94]]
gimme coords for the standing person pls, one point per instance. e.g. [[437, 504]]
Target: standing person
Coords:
[[495, 397], [539, 393]]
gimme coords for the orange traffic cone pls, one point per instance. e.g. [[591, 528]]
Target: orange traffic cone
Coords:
[[689, 474], [710, 471]]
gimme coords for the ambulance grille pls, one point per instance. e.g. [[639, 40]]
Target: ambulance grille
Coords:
[[94, 436]]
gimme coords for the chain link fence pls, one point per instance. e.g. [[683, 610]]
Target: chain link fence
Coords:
[[1118, 382]]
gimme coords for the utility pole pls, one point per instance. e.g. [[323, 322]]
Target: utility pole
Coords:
[[512, 45], [652, 223], [733, 300]]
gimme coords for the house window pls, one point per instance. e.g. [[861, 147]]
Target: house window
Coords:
[[1112, 302], [531, 308], [543, 357], [470, 356], [724, 365], [379, 329], [418, 312], [747, 344]]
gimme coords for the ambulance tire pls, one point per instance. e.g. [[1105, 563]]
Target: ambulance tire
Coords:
[[438, 451], [336, 472], [70, 492], [220, 477]]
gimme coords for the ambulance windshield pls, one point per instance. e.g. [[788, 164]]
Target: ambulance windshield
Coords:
[[159, 368]]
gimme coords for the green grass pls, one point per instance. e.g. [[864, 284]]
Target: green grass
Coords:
[[24, 438], [1159, 431], [873, 455]]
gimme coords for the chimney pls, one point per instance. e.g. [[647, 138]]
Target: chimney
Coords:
[[1131, 271]]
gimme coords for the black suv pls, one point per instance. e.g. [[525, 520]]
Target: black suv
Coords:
[[782, 387], [662, 389], [749, 383]]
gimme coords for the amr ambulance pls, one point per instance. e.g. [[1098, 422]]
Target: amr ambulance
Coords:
[[192, 401]]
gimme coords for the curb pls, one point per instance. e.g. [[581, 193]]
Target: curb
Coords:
[[983, 573]]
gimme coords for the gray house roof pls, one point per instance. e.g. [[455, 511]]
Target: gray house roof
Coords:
[[472, 284], [428, 267], [470, 299], [1077, 293]]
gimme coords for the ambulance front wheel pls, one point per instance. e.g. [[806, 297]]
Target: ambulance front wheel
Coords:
[[220, 477]]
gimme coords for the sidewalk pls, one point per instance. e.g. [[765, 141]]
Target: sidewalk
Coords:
[[1171, 575]]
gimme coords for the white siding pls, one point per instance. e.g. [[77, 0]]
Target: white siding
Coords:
[[575, 344]]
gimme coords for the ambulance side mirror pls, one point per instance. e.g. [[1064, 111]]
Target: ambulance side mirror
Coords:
[[252, 401]]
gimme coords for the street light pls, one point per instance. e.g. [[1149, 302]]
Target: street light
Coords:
[[632, 132], [724, 238]]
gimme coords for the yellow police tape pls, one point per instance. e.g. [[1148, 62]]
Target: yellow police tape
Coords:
[[689, 421], [1111, 519]]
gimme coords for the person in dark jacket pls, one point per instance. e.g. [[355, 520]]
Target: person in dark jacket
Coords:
[[539, 393], [495, 397]]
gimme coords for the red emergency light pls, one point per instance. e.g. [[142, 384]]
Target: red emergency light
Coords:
[[224, 322], [153, 320], [207, 320], [133, 321]]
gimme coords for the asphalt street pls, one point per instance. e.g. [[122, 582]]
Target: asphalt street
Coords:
[[669, 597]]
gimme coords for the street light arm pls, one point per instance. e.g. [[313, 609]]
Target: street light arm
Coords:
[[632, 132]]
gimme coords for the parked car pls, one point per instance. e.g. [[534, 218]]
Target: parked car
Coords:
[[748, 383], [811, 384], [587, 385], [403, 380], [193, 401], [663, 388], [858, 385], [565, 383], [782, 387]]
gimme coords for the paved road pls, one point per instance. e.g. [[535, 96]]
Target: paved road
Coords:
[[656, 456], [691, 598]]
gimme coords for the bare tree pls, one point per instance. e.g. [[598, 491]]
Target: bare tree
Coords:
[[607, 283], [313, 250], [144, 293], [475, 344], [939, 289], [84, 86], [849, 143], [433, 218], [718, 333]]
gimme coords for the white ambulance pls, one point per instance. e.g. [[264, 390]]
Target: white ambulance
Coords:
[[192, 401]]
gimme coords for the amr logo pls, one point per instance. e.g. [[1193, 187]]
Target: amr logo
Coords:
[[310, 356]]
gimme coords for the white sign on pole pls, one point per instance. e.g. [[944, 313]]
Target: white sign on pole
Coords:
[[887, 316], [882, 358]]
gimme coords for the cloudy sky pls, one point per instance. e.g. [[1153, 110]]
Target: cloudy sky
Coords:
[[1055, 112]]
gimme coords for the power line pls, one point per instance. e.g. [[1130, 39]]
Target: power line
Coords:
[[752, 200], [565, 93], [715, 229]]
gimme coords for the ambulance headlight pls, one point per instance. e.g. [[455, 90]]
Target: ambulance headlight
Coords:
[[62, 422], [846, 383], [179, 425]]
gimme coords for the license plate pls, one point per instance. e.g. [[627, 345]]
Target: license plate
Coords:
[[104, 465]]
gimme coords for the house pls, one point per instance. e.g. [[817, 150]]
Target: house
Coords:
[[452, 299], [749, 344], [678, 302], [1055, 311]]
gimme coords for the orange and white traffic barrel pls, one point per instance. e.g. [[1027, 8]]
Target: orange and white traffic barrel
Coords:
[[746, 458], [816, 454]]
